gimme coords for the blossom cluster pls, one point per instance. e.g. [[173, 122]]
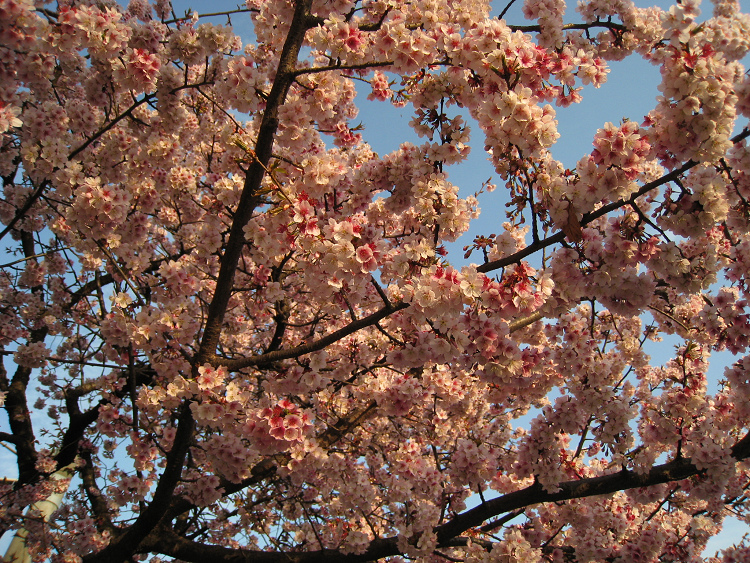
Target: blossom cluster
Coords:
[[217, 292]]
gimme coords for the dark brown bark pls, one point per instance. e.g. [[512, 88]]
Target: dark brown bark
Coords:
[[250, 197]]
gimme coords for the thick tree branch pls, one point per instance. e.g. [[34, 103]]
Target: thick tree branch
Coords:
[[16, 405], [318, 69], [171, 544], [76, 427], [79, 421], [250, 197], [582, 26], [323, 342]]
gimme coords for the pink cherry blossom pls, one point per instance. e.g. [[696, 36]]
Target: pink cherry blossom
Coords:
[[233, 330]]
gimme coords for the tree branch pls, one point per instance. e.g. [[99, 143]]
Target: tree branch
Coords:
[[21, 213], [250, 198], [319, 69], [277, 355], [593, 215], [582, 26], [169, 543], [122, 547]]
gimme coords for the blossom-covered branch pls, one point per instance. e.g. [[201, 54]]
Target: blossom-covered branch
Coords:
[[246, 332]]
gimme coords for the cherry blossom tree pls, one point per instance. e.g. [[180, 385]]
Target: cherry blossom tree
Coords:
[[231, 331]]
